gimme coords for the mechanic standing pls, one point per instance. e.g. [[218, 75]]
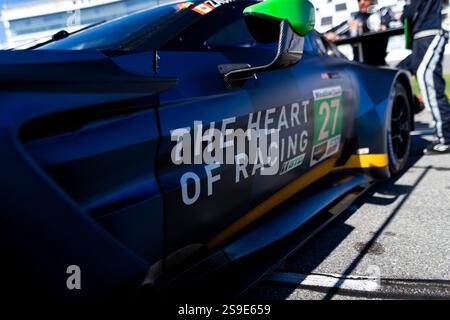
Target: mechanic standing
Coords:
[[429, 40], [372, 52]]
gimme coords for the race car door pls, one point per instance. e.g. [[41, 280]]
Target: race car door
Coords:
[[203, 200]]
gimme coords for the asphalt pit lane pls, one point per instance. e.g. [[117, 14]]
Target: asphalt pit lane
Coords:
[[375, 248]]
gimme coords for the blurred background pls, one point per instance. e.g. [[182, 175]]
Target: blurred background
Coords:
[[25, 21], [330, 13]]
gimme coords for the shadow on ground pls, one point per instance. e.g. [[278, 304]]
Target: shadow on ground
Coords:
[[316, 251]]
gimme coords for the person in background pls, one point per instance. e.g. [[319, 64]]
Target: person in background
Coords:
[[373, 53], [429, 41]]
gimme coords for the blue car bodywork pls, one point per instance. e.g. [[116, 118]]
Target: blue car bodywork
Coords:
[[85, 143]]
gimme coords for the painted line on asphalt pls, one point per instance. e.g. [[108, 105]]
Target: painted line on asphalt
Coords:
[[355, 283]]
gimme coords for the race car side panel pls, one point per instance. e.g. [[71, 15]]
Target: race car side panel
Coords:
[[314, 79], [198, 202]]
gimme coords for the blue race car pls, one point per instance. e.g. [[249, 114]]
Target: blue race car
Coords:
[[99, 194]]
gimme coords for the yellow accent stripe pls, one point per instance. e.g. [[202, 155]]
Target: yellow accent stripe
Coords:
[[364, 161], [274, 200]]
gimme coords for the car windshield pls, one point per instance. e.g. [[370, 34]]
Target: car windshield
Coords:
[[115, 32]]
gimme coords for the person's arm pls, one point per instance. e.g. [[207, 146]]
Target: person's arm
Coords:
[[387, 16], [340, 29], [337, 32]]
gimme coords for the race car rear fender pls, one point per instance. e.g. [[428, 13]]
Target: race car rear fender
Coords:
[[375, 89]]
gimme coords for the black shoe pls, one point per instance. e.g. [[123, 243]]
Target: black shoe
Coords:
[[436, 148]]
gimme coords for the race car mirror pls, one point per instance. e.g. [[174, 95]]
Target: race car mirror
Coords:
[[299, 13], [285, 21]]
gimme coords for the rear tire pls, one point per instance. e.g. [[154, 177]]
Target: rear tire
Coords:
[[399, 130]]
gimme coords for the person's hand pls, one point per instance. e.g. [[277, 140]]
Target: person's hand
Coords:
[[332, 36], [383, 27], [353, 25]]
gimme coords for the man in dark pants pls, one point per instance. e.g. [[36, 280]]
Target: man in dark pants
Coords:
[[426, 62]]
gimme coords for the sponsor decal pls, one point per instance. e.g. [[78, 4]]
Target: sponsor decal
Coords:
[[327, 93], [319, 152], [274, 141], [203, 8], [327, 123], [282, 129], [325, 76], [363, 151], [208, 6], [255, 144], [270, 142], [184, 5], [333, 145], [292, 164]]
